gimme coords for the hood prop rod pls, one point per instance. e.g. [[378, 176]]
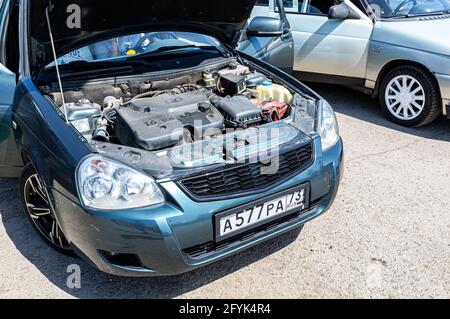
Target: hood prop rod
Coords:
[[56, 62]]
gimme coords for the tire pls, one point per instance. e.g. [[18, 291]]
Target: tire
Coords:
[[35, 202], [413, 106]]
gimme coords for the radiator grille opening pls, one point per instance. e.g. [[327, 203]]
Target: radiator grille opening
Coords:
[[249, 177], [121, 260]]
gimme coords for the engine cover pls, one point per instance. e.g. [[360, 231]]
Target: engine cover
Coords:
[[163, 121], [169, 102]]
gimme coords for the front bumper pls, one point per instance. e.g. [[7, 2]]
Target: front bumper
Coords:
[[444, 85], [160, 236]]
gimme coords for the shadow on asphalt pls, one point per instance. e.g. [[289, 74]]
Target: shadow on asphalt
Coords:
[[96, 284], [361, 106]]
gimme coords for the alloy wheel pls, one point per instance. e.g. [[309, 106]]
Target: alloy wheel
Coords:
[[405, 97], [38, 208]]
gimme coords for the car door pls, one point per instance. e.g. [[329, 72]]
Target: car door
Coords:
[[276, 49], [10, 162], [329, 50]]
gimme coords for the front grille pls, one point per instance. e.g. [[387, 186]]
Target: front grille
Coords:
[[249, 177]]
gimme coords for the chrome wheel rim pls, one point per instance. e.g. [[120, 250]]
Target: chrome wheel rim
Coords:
[[405, 97], [38, 208]]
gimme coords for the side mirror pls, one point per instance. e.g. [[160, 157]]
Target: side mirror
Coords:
[[265, 27], [341, 12]]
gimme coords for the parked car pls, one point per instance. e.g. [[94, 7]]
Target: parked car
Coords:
[[395, 50], [160, 161]]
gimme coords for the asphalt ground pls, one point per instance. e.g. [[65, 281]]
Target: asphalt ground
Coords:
[[386, 236]]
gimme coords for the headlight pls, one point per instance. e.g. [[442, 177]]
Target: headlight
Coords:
[[328, 126], [108, 185]]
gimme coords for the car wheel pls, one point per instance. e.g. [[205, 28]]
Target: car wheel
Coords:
[[410, 97], [36, 205]]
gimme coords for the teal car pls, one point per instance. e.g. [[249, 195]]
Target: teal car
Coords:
[[165, 154]]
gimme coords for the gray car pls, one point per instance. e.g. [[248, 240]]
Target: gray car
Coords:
[[398, 51]]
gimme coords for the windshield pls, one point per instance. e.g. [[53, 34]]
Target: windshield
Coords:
[[137, 44], [400, 8]]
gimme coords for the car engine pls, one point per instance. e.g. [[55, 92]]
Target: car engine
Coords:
[[167, 119], [158, 114]]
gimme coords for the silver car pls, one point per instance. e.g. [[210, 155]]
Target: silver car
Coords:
[[396, 50]]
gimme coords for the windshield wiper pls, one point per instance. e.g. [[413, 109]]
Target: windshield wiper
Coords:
[[77, 62], [173, 48], [119, 62], [178, 47], [414, 15], [135, 60]]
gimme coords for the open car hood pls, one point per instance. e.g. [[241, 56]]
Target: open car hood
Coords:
[[102, 19]]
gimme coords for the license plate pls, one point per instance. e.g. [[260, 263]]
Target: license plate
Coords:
[[246, 217]]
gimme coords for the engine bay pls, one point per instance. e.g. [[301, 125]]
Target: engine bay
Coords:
[[157, 114]]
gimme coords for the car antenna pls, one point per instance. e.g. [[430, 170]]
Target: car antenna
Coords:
[[47, 10]]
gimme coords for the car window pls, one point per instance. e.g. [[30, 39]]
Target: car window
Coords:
[[398, 8], [293, 5], [264, 7], [313, 7], [319, 7], [3, 28], [135, 44], [10, 37]]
